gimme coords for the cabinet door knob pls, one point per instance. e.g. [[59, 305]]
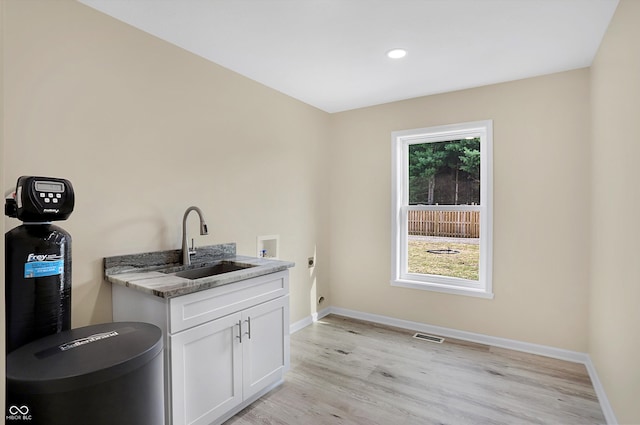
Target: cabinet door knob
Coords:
[[239, 331], [248, 326]]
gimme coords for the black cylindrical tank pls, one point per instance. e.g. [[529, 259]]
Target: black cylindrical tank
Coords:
[[38, 282], [107, 374]]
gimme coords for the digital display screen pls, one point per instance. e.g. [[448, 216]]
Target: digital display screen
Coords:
[[49, 187]]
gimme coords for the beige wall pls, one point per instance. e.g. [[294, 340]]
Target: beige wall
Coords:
[[143, 130], [541, 210], [614, 338]]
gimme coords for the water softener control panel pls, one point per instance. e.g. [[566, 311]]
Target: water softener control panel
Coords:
[[40, 199]]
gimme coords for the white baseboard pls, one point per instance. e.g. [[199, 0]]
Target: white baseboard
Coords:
[[542, 350], [295, 327], [301, 324], [606, 407]]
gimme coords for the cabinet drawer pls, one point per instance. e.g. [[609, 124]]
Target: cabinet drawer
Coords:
[[193, 309]]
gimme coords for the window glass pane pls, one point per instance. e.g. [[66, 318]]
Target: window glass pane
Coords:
[[441, 255], [445, 173]]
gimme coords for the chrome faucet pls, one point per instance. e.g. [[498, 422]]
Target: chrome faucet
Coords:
[[186, 252]]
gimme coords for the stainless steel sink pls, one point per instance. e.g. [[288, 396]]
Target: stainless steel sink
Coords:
[[213, 270]]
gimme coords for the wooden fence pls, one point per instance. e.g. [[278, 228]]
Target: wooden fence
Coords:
[[452, 224]]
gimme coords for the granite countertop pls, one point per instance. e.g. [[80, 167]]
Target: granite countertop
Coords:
[[148, 272]]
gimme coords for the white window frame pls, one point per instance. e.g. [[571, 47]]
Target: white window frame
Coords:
[[400, 141]]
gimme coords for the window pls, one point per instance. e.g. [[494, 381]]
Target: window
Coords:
[[442, 208]]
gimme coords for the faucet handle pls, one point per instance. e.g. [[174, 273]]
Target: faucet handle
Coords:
[[192, 251]]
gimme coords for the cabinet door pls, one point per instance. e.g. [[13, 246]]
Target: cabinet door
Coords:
[[206, 371], [265, 345]]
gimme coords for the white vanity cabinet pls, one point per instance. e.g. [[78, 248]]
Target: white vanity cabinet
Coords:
[[224, 347], [214, 370]]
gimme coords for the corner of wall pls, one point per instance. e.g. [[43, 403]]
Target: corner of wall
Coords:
[[614, 318]]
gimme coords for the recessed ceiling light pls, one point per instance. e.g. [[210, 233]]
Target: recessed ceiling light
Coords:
[[396, 53]]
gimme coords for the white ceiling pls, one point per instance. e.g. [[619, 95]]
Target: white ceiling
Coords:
[[331, 53]]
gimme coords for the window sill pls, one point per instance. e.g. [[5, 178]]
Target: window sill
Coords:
[[438, 287]]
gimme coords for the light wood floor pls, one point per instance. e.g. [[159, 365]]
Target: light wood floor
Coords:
[[345, 371]]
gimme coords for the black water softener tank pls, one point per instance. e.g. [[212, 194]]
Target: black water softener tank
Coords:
[[38, 261], [107, 374]]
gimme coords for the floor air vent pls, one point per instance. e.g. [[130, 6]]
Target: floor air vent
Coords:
[[430, 338]]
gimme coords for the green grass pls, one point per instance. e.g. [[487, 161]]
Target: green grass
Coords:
[[463, 265]]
